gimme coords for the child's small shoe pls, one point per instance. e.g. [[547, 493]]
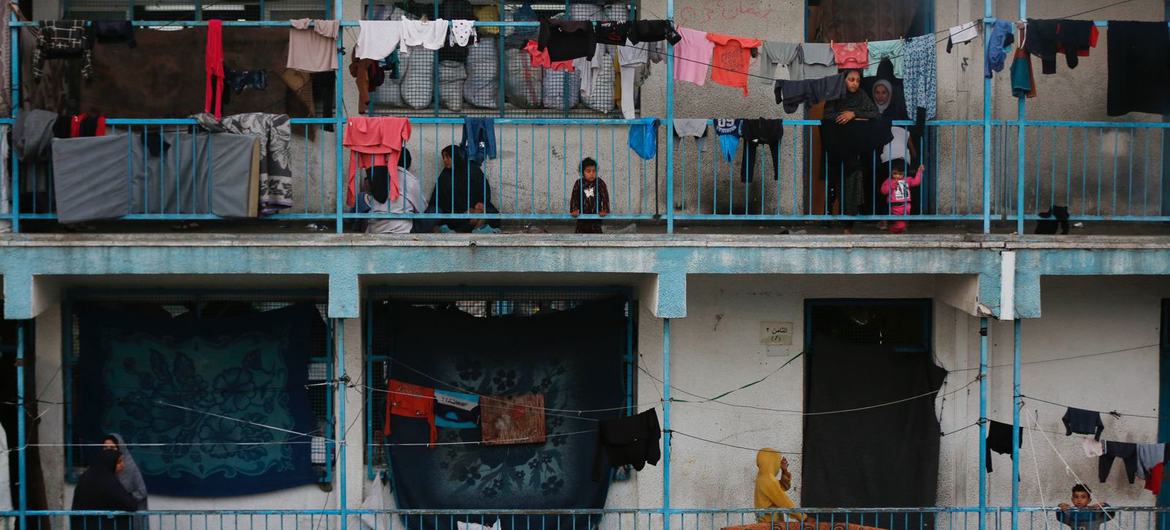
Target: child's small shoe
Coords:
[[486, 229], [444, 229]]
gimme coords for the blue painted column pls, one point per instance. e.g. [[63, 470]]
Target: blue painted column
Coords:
[[666, 423], [21, 430], [339, 120], [1165, 194], [988, 13], [669, 125], [14, 81], [1022, 141], [983, 423], [1017, 328], [340, 383]]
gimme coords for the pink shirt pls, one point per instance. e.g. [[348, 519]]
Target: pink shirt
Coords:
[[851, 55], [692, 55], [374, 142]]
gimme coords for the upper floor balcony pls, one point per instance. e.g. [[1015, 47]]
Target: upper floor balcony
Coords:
[[991, 163]]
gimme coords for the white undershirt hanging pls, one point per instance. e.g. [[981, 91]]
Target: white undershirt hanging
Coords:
[[377, 38], [431, 35], [462, 32]]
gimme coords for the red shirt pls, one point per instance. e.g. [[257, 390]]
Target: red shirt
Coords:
[[851, 55], [731, 59], [411, 401], [379, 142]]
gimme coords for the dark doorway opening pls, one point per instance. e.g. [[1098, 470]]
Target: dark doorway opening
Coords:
[[866, 357]]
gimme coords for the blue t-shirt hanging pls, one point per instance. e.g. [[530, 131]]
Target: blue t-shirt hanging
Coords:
[[456, 410]]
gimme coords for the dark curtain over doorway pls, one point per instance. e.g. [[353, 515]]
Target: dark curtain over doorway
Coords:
[[861, 355]]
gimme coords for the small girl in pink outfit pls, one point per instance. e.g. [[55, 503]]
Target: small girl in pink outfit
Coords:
[[897, 192]]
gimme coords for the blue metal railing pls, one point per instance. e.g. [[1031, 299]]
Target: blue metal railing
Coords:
[[929, 518], [976, 170]]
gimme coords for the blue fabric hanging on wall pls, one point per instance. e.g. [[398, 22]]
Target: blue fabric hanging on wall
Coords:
[[574, 358], [252, 367]]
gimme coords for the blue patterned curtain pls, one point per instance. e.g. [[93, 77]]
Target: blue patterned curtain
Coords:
[[574, 358], [250, 367]]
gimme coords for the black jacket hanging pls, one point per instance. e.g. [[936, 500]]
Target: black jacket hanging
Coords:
[[999, 439], [632, 440], [1082, 421]]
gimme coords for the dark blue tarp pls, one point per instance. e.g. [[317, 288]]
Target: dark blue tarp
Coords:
[[574, 358], [250, 367]]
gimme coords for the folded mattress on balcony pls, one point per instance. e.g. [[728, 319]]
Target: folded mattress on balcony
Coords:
[[107, 177]]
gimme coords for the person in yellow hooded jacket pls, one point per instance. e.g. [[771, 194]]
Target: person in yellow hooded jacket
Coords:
[[770, 492]]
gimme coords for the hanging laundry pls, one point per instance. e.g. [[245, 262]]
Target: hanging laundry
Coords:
[[430, 34], [377, 38], [592, 69], [1139, 67], [817, 61], [313, 49], [479, 138], [1154, 478], [213, 67], [66, 39], [886, 49], [32, 135], [643, 138], [629, 441], [961, 34], [731, 60], [374, 142], [539, 58], [999, 439], [1082, 421], [410, 401], [1002, 37], [85, 125], [1047, 38], [851, 55], [692, 56], [611, 32], [513, 420], [810, 91], [567, 40], [462, 32], [368, 76], [1023, 77], [114, 32], [756, 133], [692, 128], [275, 136], [1148, 456], [634, 61], [1093, 448], [653, 31], [728, 131], [239, 80], [1127, 452], [456, 410], [775, 55]]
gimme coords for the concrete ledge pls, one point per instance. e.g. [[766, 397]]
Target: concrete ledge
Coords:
[[573, 240]]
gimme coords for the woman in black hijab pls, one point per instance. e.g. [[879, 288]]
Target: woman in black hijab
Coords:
[[462, 188], [99, 489]]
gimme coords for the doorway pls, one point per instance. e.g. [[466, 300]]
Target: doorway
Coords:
[[862, 353], [864, 21]]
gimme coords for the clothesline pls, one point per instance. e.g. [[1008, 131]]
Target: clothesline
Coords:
[[1111, 412]]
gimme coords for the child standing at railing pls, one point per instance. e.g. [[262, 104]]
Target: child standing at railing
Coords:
[[897, 192], [590, 196]]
